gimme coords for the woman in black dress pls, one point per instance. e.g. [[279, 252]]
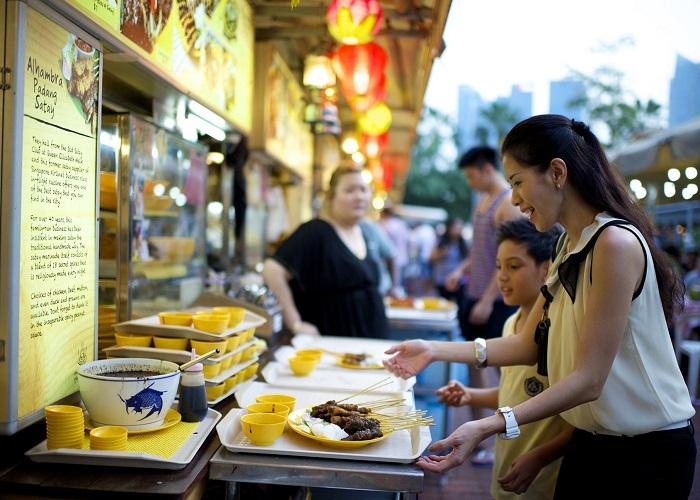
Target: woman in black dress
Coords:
[[323, 275]]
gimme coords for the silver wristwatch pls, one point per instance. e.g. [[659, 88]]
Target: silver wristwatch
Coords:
[[512, 429]]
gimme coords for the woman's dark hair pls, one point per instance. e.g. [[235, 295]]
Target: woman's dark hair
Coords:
[[445, 238], [536, 141], [539, 245]]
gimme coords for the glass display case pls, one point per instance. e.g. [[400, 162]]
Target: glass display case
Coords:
[[152, 220]]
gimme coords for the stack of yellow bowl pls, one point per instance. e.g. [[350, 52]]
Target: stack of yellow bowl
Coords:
[[232, 381], [175, 318], [277, 408], [215, 391], [251, 371], [108, 437], [65, 426], [236, 314], [285, 399]]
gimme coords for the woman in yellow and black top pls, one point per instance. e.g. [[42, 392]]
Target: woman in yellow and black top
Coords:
[[609, 358]]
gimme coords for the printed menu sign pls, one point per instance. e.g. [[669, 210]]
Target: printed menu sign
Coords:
[[57, 247]]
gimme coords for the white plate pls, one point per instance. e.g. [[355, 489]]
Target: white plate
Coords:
[[400, 447], [182, 457], [374, 347], [174, 355], [408, 314], [334, 378], [150, 325]]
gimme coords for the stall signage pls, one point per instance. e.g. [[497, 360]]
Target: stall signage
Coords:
[[107, 11], [57, 232], [287, 136], [205, 46]]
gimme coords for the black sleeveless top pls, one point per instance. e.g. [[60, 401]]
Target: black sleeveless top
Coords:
[[332, 288]]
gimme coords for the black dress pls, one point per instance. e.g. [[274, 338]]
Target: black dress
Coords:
[[332, 288]]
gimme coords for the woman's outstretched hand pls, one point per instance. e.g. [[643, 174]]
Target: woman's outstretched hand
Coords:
[[454, 394], [462, 441], [409, 358]]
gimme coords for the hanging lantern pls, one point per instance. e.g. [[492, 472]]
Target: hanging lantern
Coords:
[[360, 69], [376, 120], [374, 145], [354, 21], [318, 72]]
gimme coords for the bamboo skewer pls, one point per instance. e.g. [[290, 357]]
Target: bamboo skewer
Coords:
[[376, 385]]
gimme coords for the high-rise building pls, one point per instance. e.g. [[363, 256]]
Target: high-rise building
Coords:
[[684, 96], [468, 117], [520, 102], [561, 93]]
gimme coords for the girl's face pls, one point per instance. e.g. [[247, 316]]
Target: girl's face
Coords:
[[455, 230], [534, 193], [519, 275], [350, 199]]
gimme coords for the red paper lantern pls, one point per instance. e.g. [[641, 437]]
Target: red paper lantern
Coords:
[[373, 145], [354, 21], [360, 69]]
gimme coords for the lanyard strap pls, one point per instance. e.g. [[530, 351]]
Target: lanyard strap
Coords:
[[542, 333]]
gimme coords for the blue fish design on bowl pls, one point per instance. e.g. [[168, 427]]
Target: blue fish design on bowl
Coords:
[[131, 392]]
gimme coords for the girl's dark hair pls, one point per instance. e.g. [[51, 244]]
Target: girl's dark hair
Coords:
[[536, 141], [539, 245], [445, 238]]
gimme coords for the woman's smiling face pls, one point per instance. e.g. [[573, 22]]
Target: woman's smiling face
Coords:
[[534, 193]]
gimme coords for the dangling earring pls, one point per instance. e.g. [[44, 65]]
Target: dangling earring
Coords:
[[558, 186]]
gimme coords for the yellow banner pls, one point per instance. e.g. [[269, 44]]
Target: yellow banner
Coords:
[[205, 45], [107, 11], [57, 247]]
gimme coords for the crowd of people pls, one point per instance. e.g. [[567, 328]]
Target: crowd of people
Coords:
[[562, 284]]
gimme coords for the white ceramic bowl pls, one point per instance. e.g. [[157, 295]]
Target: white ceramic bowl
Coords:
[[135, 402]]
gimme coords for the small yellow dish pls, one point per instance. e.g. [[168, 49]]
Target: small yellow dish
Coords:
[[211, 371], [314, 354], [175, 318], [248, 353], [231, 382], [211, 323], [236, 314], [226, 363], [263, 428], [215, 391], [108, 437], [170, 343], [132, 340], [233, 342], [284, 399], [246, 335], [203, 347], [252, 370], [277, 408], [236, 358], [302, 366]]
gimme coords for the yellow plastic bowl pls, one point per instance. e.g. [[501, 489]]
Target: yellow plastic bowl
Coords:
[[284, 399], [231, 382], [63, 411], [314, 354], [276, 408], [226, 363], [263, 428], [236, 358], [302, 366], [175, 318], [109, 433], [203, 347], [252, 370], [246, 335], [211, 371], [170, 343], [233, 342], [215, 391], [236, 314], [248, 353], [132, 340], [212, 323]]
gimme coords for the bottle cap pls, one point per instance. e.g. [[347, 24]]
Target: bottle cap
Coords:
[[197, 367]]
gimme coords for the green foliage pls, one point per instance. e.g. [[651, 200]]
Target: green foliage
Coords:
[[501, 118], [433, 179], [610, 106]]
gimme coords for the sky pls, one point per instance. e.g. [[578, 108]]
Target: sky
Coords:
[[494, 44]]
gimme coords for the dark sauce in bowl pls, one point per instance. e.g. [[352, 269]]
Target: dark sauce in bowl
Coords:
[[131, 374]]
